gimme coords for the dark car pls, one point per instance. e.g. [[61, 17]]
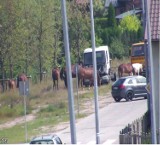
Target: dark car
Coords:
[[46, 139], [129, 87]]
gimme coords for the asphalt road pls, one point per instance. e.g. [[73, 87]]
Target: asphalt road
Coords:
[[112, 118]]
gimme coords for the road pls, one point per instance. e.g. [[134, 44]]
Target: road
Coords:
[[112, 118]]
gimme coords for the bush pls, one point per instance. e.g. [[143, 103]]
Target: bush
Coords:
[[117, 49]]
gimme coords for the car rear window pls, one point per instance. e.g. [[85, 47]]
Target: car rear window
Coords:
[[141, 80], [119, 82], [42, 142]]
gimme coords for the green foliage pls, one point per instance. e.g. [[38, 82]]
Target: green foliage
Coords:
[[79, 26], [111, 16], [99, 9], [108, 34], [54, 107], [117, 49], [130, 23], [32, 36], [101, 22], [7, 111]]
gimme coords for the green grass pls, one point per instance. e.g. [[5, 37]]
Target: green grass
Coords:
[[49, 116]]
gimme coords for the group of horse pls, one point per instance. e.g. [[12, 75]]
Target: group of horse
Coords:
[[82, 74], [130, 69], [14, 83]]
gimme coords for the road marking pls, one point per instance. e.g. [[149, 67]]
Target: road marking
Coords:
[[109, 141]]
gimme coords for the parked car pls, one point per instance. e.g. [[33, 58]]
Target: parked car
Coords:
[[46, 139], [129, 87]]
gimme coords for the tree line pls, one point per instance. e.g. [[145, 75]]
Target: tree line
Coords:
[[31, 34]]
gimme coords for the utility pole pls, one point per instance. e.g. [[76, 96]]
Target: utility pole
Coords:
[[95, 75], [69, 76], [151, 77]]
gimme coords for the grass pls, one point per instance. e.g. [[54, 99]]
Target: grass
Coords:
[[56, 111], [53, 106]]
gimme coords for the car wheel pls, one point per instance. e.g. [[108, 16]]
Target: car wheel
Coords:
[[129, 96], [117, 99]]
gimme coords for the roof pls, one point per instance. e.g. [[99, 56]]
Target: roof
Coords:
[[100, 48], [131, 12], [155, 19]]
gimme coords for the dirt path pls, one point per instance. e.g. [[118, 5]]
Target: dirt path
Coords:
[[103, 101]]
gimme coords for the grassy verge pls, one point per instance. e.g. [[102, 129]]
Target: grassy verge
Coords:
[[48, 117]]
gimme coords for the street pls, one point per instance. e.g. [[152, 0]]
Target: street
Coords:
[[113, 118]]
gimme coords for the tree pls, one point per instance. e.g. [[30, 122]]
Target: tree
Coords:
[[117, 49], [79, 29], [99, 9], [111, 16], [130, 23], [130, 27]]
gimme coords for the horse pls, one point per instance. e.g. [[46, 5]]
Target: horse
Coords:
[[11, 84], [21, 77], [125, 68], [87, 73], [63, 73], [55, 77], [138, 68]]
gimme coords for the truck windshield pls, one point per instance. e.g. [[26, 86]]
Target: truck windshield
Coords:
[[100, 57], [138, 50]]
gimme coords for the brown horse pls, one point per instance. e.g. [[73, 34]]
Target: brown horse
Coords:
[[63, 73], [87, 73], [11, 84], [125, 68], [55, 77], [21, 77]]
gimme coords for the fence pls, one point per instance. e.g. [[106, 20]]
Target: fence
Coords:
[[138, 132]]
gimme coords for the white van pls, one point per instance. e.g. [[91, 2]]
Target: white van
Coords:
[[103, 61]]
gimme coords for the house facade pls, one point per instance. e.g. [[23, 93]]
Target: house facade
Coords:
[[155, 41], [122, 6]]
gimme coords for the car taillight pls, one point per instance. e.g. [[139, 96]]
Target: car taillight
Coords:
[[121, 86]]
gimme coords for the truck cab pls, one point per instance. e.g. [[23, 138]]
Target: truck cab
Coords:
[[103, 61], [138, 55]]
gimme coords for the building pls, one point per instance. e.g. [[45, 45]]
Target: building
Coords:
[[125, 7], [154, 14]]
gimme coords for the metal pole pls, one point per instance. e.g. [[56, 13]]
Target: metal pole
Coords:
[[159, 92], [69, 76], [151, 79], [95, 75], [159, 89], [146, 52], [77, 88], [25, 110], [143, 15]]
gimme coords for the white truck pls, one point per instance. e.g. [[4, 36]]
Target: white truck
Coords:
[[103, 62]]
